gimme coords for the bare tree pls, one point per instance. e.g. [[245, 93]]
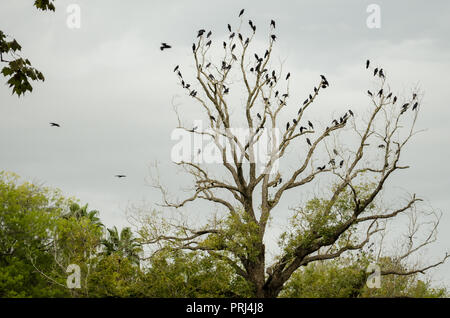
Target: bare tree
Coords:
[[249, 194]]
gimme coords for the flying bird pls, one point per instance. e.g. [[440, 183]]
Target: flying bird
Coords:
[[120, 176], [54, 125], [164, 46]]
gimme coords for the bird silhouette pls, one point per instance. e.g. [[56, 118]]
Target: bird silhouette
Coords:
[[310, 124], [350, 111], [209, 34], [370, 93], [241, 13], [321, 168], [193, 47], [375, 71], [200, 33], [380, 92], [308, 141], [287, 126], [229, 27], [120, 176], [341, 163], [415, 106], [54, 125], [272, 23], [288, 75], [274, 37], [164, 46], [395, 99], [259, 116], [367, 64], [176, 68]]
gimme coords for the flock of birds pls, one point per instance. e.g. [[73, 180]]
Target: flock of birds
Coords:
[[272, 79]]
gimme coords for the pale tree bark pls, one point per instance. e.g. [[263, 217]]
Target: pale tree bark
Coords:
[[388, 129]]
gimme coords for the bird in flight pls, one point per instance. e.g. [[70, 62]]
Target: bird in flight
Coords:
[[120, 176], [54, 125], [164, 46]]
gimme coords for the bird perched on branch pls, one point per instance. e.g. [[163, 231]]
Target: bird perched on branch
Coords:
[[367, 64], [241, 13], [272, 23]]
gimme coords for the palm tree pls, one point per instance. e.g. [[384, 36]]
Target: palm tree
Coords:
[[79, 212], [122, 244]]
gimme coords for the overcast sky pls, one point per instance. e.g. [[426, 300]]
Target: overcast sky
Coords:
[[112, 89]]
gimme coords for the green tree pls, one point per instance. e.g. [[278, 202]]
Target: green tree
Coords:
[[19, 70], [122, 244]]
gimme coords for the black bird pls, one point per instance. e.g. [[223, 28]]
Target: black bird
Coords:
[[208, 43], [321, 168], [389, 95], [208, 65], [209, 34], [272, 23], [294, 121], [266, 53], [200, 33], [176, 68], [274, 37], [415, 106], [299, 111], [310, 124], [212, 118], [288, 75], [370, 93], [233, 47], [301, 129], [193, 47], [335, 122], [54, 125], [259, 116], [310, 97], [229, 27], [414, 96], [305, 102], [308, 141], [332, 162], [251, 23], [241, 13], [380, 73], [381, 146], [375, 71], [120, 176], [335, 152], [395, 99], [287, 125], [232, 35], [367, 64], [224, 45], [380, 92], [350, 112], [164, 46], [341, 163]]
